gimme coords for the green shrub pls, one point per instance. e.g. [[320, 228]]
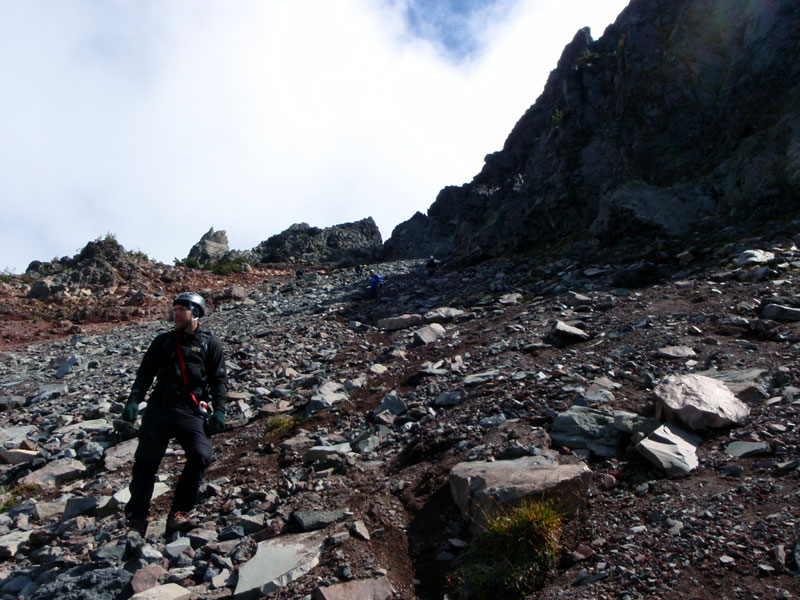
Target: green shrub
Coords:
[[226, 268], [586, 56], [16, 494], [8, 276], [189, 262], [279, 424], [513, 555]]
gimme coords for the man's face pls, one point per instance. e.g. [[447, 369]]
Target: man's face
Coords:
[[182, 316]]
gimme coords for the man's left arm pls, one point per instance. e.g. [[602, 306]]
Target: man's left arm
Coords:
[[217, 375]]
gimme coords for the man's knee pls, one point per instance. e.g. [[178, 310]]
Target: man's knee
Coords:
[[198, 456], [145, 469]]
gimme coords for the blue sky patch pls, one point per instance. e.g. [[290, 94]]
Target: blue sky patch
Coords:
[[455, 25]]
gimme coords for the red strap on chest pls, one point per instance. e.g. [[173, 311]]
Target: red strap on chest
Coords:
[[183, 366], [202, 405]]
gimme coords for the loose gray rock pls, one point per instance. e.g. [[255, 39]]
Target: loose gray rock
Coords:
[[400, 322], [584, 427], [55, 473], [671, 449]]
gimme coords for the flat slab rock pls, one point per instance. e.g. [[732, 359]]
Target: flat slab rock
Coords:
[[480, 488], [277, 562], [671, 449], [55, 473], [364, 589], [170, 591]]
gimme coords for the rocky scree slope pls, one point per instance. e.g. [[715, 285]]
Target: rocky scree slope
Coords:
[[362, 480], [103, 285], [681, 117]]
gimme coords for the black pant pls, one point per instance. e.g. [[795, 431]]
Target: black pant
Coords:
[[162, 422]]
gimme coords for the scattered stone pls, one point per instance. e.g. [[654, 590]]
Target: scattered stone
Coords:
[[583, 427], [562, 335], [312, 520], [675, 352], [441, 315], [777, 312], [400, 322], [745, 449]]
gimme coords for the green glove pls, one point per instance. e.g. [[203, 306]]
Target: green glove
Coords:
[[130, 412], [216, 422]]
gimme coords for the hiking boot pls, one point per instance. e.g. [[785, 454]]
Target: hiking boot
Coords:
[[181, 522], [137, 524]]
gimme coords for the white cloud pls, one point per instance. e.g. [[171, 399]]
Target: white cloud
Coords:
[[157, 120]]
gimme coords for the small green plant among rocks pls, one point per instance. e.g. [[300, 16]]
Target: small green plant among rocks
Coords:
[[279, 424], [513, 555], [14, 495], [226, 268], [235, 265]]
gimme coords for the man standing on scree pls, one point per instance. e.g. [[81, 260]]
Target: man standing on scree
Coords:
[[189, 368]]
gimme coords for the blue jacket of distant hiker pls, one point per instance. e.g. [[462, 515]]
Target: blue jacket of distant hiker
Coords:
[[375, 281]]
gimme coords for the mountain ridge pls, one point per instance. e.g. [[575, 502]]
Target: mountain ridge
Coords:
[[680, 118]]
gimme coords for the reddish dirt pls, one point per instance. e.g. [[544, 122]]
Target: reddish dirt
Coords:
[[24, 320]]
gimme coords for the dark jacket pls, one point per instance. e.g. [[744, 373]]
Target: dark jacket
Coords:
[[205, 369]]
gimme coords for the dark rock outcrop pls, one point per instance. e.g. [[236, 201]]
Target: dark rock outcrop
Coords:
[[682, 117], [348, 243], [418, 237], [101, 263]]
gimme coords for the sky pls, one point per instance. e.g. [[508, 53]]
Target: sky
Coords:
[[155, 120]]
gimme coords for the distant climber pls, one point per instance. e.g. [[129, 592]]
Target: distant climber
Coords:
[[432, 265], [375, 284]]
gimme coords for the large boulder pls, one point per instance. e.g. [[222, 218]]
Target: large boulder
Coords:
[[699, 403]]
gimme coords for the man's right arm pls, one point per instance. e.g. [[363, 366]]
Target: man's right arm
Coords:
[[146, 372]]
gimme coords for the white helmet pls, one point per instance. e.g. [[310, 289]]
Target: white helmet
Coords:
[[193, 302]]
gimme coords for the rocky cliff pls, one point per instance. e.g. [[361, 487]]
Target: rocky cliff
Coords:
[[681, 118]]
